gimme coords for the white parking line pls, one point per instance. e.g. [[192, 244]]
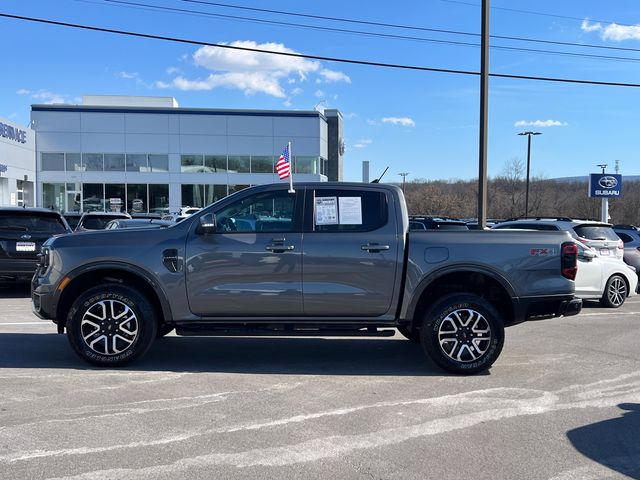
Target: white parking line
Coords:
[[24, 323], [596, 314]]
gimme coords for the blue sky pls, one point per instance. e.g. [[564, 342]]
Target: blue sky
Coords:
[[418, 122]]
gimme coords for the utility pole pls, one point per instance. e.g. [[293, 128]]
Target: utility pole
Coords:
[[526, 194], [404, 176], [484, 116]]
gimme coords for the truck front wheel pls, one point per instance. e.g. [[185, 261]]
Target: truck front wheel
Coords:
[[462, 333], [111, 325]]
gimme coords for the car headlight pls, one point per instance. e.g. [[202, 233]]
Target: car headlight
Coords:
[[44, 258]]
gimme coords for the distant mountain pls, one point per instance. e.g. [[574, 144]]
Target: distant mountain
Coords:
[[585, 178]]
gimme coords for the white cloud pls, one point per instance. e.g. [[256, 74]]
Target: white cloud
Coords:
[[590, 27], [350, 115], [296, 91], [127, 75], [173, 70], [404, 121], [319, 94], [540, 123], [613, 31], [287, 103], [44, 96], [249, 82], [331, 76], [251, 72], [372, 122], [363, 143]]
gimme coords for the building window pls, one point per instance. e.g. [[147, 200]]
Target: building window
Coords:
[[261, 164], [306, 165], [159, 163], [52, 162], [159, 198], [213, 193], [236, 188], [192, 195], [114, 197], [191, 163], [74, 197], [20, 191], [215, 163], [92, 162], [92, 197], [73, 163], [137, 198], [53, 196], [137, 162], [114, 162], [239, 164]]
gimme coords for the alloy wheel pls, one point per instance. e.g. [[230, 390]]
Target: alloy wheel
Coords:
[[109, 327], [464, 335]]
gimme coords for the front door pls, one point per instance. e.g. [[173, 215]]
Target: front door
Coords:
[[252, 265]]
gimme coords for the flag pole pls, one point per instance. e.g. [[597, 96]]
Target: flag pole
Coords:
[[291, 190]]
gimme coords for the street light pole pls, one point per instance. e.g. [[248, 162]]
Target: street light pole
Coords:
[[526, 194], [404, 176]]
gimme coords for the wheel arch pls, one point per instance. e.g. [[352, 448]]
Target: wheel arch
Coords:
[[88, 276], [473, 280]]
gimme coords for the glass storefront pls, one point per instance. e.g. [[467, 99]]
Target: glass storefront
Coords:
[[103, 162]]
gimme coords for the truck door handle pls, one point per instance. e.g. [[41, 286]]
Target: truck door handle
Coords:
[[374, 247], [279, 248]]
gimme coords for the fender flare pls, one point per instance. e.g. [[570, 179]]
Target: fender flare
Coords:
[[127, 267], [432, 277]]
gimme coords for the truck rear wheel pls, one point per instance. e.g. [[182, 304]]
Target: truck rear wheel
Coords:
[[462, 333], [111, 325]]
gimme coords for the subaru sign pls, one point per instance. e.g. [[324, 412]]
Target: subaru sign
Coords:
[[605, 185]]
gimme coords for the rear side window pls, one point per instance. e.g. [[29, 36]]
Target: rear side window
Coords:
[[595, 232], [31, 223], [349, 211], [624, 237]]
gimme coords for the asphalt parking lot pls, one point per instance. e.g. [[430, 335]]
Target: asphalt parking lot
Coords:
[[562, 403]]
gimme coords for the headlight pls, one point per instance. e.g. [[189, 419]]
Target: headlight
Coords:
[[44, 258]]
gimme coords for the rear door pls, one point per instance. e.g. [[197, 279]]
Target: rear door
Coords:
[[252, 265], [589, 277], [351, 252]]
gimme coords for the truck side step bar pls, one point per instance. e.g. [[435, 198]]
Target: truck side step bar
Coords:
[[281, 331]]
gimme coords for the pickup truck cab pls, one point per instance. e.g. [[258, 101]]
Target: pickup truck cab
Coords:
[[330, 259]]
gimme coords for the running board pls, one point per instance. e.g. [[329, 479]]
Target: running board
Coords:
[[211, 331]]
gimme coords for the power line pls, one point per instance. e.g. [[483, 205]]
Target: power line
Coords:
[[312, 57], [146, 6], [412, 27], [541, 14]]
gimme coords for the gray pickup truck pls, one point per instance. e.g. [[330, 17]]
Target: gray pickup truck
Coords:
[[331, 259]]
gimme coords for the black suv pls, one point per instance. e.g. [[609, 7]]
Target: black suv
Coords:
[[419, 222], [98, 220], [22, 233]]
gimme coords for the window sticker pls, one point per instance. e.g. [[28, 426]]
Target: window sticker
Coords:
[[350, 210], [326, 211]]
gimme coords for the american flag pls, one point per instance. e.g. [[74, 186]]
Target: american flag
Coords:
[[283, 166]]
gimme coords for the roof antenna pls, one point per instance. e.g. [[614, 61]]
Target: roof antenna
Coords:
[[377, 180]]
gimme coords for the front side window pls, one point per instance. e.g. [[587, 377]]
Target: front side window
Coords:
[[349, 211], [264, 212]]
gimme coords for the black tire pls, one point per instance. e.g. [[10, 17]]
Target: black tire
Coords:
[[615, 292], [413, 335], [111, 325], [164, 330], [457, 351]]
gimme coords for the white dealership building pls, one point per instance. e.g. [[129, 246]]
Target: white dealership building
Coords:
[[147, 154], [17, 164]]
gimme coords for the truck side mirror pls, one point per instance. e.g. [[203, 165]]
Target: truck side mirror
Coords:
[[207, 223]]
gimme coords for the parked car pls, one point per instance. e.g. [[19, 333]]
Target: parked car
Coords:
[[186, 211], [604, 277], [22, 233], [72, 219], [172, 217], [591, 233], [146, 215], [630, 237], [436, 223], [137, 223], [98, 220], [358, 272]]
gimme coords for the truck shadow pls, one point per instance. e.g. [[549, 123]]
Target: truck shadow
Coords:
[[614, 443], [17, 290], [295, 356]]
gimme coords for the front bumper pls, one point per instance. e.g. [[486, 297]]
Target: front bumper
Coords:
[[43, 300]]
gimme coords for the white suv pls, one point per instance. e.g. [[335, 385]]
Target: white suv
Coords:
[[597, 235]]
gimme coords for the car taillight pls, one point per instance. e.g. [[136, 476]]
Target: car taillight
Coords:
[[569, 260]]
